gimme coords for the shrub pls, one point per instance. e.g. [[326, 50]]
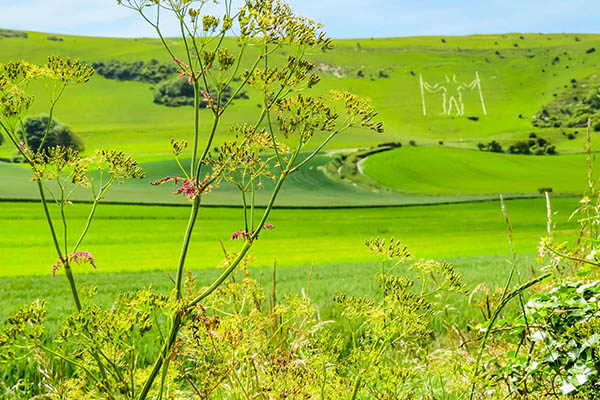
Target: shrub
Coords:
[[7, 33], [142, 71], [181, 93], [565, 340], [492, 146], [58, 134], [520, 147]]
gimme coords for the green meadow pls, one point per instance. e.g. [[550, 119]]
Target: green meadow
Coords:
[[125, 237], [459, 171], [518, 75], [438, 196]]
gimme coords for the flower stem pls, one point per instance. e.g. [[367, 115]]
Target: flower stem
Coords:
[[68, 272], [186, 244]]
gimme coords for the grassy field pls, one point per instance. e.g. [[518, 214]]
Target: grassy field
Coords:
[[518, 76], [126, 238], [515, 81], [458, 171], [311, 187], [18, 291]]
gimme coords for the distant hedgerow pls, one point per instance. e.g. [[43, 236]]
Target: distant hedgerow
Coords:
[[181, 93], [151, 71]]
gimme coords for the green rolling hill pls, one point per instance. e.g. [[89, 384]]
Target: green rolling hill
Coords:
[[518, 75]]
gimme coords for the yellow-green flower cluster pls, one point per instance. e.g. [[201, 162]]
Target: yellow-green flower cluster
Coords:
[[392, 249], [68, 70], [16, 75], [275, 21], [302, 115], [360, 110]]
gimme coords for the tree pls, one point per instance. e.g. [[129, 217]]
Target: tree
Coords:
[[495, 147], [520, 147], [58, 134]]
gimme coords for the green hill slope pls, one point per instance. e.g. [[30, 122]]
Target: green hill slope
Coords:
[[454, 171], [514, 81], [510, 77]]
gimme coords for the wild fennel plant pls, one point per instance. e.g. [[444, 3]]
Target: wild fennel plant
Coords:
[[99, 343]]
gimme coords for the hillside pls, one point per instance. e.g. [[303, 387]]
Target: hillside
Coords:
[[497, 83], [514, 81]]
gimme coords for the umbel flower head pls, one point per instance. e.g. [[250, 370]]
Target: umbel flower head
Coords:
[[119, 165], [60, 161], [16, 75], [68, 70]]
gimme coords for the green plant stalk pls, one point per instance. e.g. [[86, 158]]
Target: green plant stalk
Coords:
[[196, 125], [196, 97], [156, 28], [91, 214], [177, 319], [243, 83], [13, 139], [318, 149], [68, 272], [185, 246], [207, 292], [67, 359], [198, 56], [211, 136], [52, 105], [357, 384], [496, 312], [572, 258], [252, 203], [164, 353]]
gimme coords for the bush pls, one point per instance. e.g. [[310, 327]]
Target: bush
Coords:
[[181, 93], [492, 146], [7, 33], [566, 339], [59, 135], [142, 71], [520, 147]]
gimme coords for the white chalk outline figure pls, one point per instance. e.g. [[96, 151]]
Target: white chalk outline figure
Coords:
[[455, 100]]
